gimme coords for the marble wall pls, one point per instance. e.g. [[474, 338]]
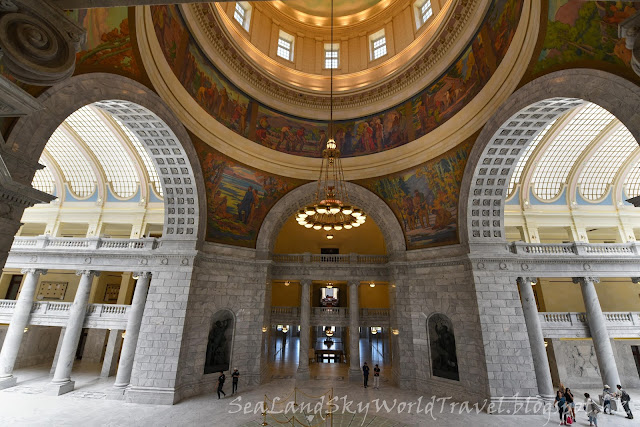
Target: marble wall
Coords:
[[38, 345]]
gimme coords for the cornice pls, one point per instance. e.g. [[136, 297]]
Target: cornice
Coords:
[[437, 54]]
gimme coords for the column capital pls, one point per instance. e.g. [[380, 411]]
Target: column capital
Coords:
[[34, 271], [526, 280], [305, 282], [87, 273], [141, 274], [354, 283], [586, 279]]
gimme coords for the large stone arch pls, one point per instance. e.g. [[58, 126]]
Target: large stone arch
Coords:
[[147, 115], [372, 205], [511, 129]]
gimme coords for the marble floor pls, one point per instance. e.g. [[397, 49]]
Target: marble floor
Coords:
[[88, 405]]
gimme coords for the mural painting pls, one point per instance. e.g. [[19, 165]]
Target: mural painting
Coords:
[[218, 356], [238, 197], [108, 43], [379, 132], [582, 30], [442, 344], [425, 198]]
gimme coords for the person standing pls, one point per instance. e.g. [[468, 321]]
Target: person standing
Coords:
[[376, 377], [606, 399], [365, 373], [561, 402], [592, 410], [234, 381], [625, 399], [570, 403], [221, 380]]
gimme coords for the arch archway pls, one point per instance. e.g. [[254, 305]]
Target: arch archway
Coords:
[[149, 118], [359, 196], [507, 134]]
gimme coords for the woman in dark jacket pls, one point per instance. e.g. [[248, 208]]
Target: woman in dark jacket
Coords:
[[561, 402]]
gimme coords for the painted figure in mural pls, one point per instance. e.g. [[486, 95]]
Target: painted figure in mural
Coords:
[[246, 205], [220, 205], [367, 138], [222, 107], [378, 133], [262, 131], [409, 210], [300, 139], [348, 147], [443, 216], [322, 141], [421, 207]]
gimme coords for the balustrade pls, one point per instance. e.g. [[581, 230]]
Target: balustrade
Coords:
[[576, 248], [83, 243], [43, 310]]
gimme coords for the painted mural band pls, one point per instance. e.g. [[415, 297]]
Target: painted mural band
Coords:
[[388, 129]]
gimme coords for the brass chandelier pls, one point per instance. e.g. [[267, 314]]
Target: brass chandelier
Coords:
[[331, 209]]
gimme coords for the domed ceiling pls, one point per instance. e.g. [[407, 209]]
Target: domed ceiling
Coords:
[[323, 7], [261, 118]]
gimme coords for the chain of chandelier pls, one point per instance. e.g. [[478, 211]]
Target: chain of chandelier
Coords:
[[331, 209]]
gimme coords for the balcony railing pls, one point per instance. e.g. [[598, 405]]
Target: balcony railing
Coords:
[[573, 324], [306, 258], [82, 243], [55, 313], [335, 315], [576, 248]]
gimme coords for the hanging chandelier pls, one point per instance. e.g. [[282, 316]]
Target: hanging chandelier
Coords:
[[331, 209]]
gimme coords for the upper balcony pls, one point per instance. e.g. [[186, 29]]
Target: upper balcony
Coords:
[[336, 316], [309, 258], [51, 313], [575, 325], [53, 244]]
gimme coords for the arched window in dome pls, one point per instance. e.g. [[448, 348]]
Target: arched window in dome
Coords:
[[112, 156], [555, 164], [632, 181], [242, 14], [74, 166], [148, 164], [43, 180], [603, 166]]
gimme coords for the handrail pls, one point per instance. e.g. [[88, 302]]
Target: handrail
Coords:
[[576, 248], [55, 308], [352, 258], [83, 243]]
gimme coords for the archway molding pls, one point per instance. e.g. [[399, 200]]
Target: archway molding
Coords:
[[150, 119], [372, 205], [511, 129]]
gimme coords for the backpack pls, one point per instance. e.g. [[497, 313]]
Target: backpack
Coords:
[[625, 396]]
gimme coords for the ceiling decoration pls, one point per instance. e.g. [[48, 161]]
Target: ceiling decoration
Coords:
[[321, 7], [391, 128]]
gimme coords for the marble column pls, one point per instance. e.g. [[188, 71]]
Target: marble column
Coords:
[[354, 333], [110, 363], [58, 347], [536, 339], [19, 321], [598, 329], [61, 382], [305, 324], [123, 377]]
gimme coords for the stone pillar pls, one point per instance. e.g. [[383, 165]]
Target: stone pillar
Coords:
[[354, 333], [110, 363], [305, 324], [134, 321], [19, 321], [536, 339], [61, 382], [58, 347], [598, 329]]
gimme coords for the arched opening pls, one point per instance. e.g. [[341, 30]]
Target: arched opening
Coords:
[[505, 138], [344, 274]]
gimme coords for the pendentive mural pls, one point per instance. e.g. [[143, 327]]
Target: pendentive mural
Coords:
[[238, 197], [583, 31], [394, 127], [109, 44], [425, 198]]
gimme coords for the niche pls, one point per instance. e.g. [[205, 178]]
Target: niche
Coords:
[[219, 343], [442, 343]]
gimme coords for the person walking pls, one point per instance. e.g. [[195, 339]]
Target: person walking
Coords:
[[234, 381], [625, 399], [376, 377], [561, 402], [571, 403], [592, 409], [221, 380], [606, 399], [365, 373]]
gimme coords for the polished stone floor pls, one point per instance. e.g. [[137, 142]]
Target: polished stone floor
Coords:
[[89, 404]]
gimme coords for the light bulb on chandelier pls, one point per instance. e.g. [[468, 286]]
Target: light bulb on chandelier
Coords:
[[331, 209]]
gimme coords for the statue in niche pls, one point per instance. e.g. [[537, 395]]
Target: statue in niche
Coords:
[[219, 344], [444, 359]]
